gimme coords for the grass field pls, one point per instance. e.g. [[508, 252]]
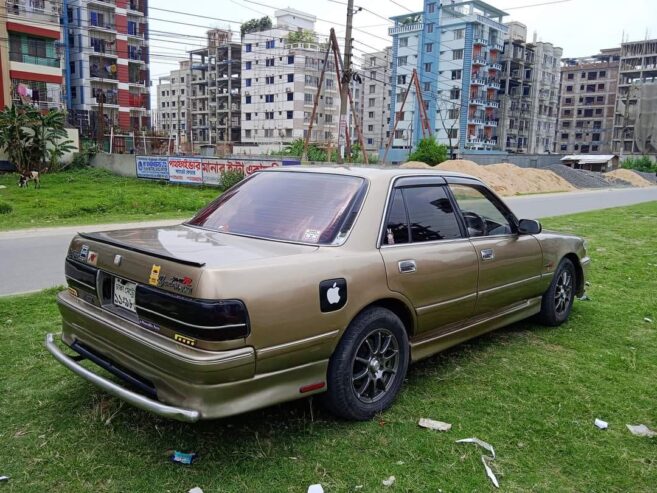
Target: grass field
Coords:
[[530, 391], [90, 196]]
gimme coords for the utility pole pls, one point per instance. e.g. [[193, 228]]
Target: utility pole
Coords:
[[346, 79], [178, 123], [100, 135]]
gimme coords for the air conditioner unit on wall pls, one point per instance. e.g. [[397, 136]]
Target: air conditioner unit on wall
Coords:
[[288, 89]]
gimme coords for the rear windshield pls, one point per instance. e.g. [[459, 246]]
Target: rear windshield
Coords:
[[288, 206]]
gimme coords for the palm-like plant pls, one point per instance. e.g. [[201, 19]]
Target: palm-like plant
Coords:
[[14, 134]]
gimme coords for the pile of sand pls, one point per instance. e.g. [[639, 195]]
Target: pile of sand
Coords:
[[629, 176], [415, 165], [509, 179]]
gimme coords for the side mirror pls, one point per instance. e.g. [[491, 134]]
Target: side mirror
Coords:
[[529, 227]]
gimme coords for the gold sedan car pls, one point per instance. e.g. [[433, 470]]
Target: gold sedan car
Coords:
[[306, 281]]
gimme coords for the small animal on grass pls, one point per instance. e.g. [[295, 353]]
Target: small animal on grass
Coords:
[[26, 177]]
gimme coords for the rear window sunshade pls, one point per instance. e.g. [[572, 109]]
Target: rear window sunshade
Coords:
[[127, 246]]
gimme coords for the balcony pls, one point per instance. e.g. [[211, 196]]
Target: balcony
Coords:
[[108, 99], [103, 3], [490, 123], [478, 60], [480, 41], [99, 22], [303, 46], [136, 6], [34, 60], [492, 103], [39, 11], [477, 101], [495, 66], [497, 46], [473, 120], [493, 83], [478, 80], [408, 28], [102, 47]]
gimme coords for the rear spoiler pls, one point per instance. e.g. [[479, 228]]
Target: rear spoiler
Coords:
[[127, 246]]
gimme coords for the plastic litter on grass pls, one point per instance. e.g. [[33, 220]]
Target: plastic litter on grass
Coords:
[[603, 425], [641, 431], [484, 459], [434, 425], [185, 458], [390, 481]]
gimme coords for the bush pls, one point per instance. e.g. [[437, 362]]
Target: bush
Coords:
[[6, 208], [429, 151], [230, 178], [643, 163]]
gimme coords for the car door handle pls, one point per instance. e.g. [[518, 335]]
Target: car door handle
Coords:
[[487, 254], [407, 266]]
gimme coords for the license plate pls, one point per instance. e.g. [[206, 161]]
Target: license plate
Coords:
[[124, 294]]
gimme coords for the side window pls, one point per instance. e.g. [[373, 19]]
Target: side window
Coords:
[[397, 226], [430, 214], [482, 216]]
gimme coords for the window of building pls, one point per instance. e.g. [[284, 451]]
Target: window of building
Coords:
[[427, 86], [452, 133], [248, 47], [565, 124], [454, 93], [427, 67], [290, 115], [269, 79], [370, 128], [430, 27], [570, 76], [401, 80], [270, 44], [401, 61], [371, 102], [247, 82], [290, 96], [453, 113], [564, 136], [269, 62], [598, 111], [457, 74], [247, 66], [579, 124], [372, 88], [569, 88], [428, 47], [602, 73], [328, 118], [269, 98], [457, 55], [564, 147], [403, 42], [370, 114], [459, 33], [290, 77], [247, 116], [400, 116], [431, 7], [601, 87], [308, 98]]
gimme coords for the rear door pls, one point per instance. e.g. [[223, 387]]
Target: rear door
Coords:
[[427, 257], [509, 263]]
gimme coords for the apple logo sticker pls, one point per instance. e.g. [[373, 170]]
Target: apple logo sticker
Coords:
[[332, 294]]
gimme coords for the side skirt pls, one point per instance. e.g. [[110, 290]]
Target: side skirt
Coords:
[[432, 344]]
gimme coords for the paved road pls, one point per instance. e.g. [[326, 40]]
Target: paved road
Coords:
[[31, 260]]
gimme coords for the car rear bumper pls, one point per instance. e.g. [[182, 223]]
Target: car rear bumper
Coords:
[[133, 398], [186, 383]]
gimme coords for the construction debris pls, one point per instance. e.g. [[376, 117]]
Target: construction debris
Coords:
[[484, 459], [434, 425], [641, 431]]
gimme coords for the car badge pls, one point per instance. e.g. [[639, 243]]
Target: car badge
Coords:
[[117, 260]]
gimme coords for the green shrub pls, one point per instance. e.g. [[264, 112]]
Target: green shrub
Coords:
[[642, 163], [429, 151], [6, 208], [230, 178]]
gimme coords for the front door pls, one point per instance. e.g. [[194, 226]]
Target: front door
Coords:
[[509, 263], [426, 255]]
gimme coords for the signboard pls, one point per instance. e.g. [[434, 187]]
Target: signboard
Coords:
[[185, 170], [214, 168], [153, 167]]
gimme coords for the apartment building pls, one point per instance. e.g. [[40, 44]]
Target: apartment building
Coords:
[[31, 67], [215, 101], [635, 118], [587, 103], [106, 51], [456, 48], [281, 69], [172, 102], [376, 96], [545, 98], [516, 90]]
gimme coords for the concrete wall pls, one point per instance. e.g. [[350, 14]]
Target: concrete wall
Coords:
[[522, 160], [120, 164]]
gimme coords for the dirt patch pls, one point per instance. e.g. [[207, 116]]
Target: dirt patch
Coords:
[[509, 179], [630, 177]]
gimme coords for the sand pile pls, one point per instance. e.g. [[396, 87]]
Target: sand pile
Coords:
[[629, 176], [415, 165], [509, 179]]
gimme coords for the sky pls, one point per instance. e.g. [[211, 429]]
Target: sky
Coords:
[[580, 27]]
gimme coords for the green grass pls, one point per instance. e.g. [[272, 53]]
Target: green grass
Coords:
[[532, 392], [90, 196]]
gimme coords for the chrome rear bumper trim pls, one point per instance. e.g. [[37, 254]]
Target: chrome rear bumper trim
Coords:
[[133, 398]]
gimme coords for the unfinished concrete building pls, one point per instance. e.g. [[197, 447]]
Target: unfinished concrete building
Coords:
[[588, 97], [376, 99], [215, 92], [529, 93], [635, 118], [516, 90]]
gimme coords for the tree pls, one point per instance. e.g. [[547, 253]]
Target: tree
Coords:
[[255, 25], [303, 36], [30, 138], [429, 151], [443, 113]]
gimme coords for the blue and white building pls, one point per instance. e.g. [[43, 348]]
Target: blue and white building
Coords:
[[456, 48]]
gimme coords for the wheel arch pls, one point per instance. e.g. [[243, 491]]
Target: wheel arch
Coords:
[[397, 306], [579, 272]]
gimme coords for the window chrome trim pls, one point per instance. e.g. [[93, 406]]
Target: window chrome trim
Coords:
[[93, 288], [209, 327]]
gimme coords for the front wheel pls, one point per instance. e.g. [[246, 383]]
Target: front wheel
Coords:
[[557, 301], [368, 367]]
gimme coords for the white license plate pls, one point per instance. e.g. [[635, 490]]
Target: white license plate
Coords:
[[124, 294]]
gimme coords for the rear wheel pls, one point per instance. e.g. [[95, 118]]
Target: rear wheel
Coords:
[[558, 299], [368, 367]]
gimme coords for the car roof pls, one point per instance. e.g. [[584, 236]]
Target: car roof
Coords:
[[374, 173]]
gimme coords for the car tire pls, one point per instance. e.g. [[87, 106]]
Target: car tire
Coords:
[[368, 366], [558, 300]]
